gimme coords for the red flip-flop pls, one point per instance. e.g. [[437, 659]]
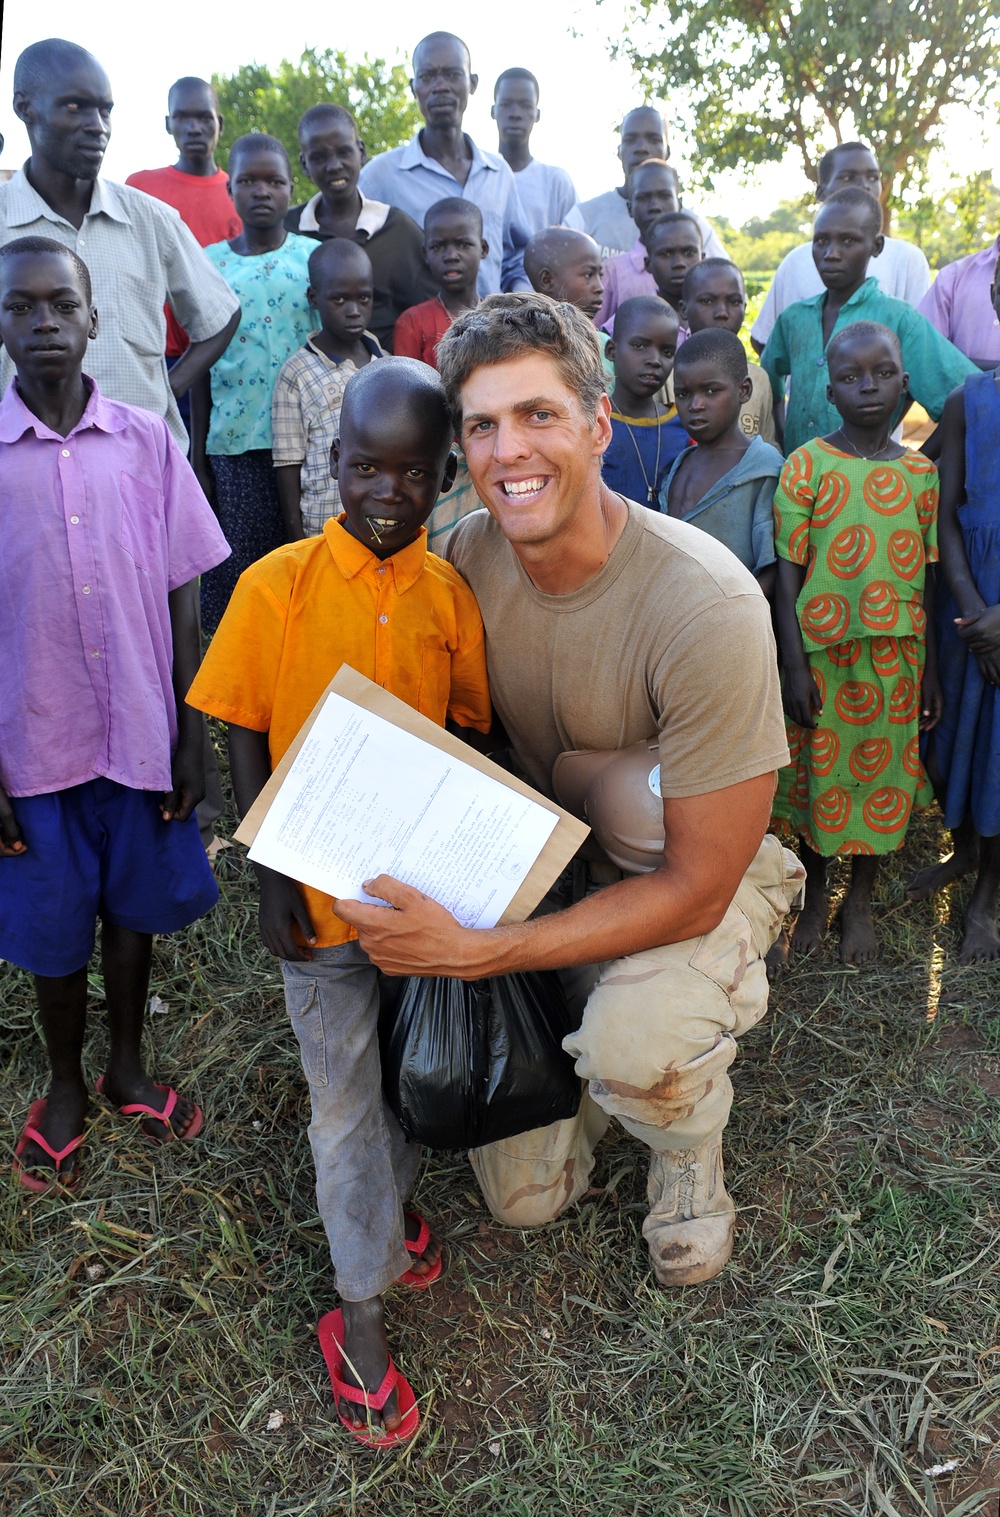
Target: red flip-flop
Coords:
[[31, 1134], [140, 1109], [331, 1340], [417, 1245]]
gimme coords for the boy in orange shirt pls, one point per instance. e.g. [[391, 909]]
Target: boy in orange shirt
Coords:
[[365, 593]]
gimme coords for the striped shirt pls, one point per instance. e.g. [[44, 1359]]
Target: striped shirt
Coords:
[[140, 256], [305, 420]]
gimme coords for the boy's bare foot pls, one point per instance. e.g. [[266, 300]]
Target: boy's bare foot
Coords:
[[776, 958], [810, 928], [858, 943], [927, 882], [366, 1359], [142, 1089], [981, 945], [421, 1264], [65, 1114]]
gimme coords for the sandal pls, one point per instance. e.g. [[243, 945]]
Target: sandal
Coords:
[[31, 1134], [331, 1338], [417, 1245], [141, 1109]]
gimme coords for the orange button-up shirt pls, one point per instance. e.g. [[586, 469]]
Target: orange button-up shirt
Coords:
[[409, 622]]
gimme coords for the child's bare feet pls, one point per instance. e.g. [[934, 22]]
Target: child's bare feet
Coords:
[[65, 1114], [810, 926], [927, 882], [981, 945], [776, 958], [366, 1359], [858, 943]]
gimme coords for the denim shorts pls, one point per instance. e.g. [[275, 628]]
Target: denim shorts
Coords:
[[99, 850]]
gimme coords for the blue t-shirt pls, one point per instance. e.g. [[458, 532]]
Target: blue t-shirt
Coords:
[[640, 454]]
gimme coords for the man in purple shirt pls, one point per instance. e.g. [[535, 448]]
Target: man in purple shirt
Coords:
[[960, 304], [101, 762]]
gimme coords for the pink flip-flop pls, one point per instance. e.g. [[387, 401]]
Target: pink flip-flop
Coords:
[[331, 1339], [417, 1245], [140, 1109], [31, 1134]]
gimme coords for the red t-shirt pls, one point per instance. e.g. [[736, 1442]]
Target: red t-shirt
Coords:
[[203, 205], [419, 330]]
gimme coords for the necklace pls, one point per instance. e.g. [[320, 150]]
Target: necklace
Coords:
[[868, 457], [650, 488]]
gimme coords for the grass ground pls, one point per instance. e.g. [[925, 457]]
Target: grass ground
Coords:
[[152, 1326]]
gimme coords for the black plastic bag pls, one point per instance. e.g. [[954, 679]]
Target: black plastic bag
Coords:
[[470, 1062]]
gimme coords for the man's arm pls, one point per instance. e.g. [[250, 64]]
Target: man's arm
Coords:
[[198, 357], [187, 768], [710, 841]]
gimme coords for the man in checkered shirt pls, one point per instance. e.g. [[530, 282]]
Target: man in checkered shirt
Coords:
[[139, 252]]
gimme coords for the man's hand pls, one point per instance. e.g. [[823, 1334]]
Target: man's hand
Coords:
[[800, 696], [187, 772], [12, 844], [282, 909], [417, 935]]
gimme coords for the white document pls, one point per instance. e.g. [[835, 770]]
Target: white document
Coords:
[[364, 798]]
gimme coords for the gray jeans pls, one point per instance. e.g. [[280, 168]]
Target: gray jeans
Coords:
[[365, 1168]]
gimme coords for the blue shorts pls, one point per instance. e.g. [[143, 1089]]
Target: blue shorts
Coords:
[[98, 850]]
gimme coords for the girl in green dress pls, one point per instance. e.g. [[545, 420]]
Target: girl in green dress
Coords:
[[855, 526]]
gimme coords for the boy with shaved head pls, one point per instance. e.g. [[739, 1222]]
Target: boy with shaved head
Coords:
[[566, 265], [365, 593], [442, 160]]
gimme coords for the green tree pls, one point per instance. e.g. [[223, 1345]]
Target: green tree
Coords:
[[962, 220], [772, 74], [259, 99]]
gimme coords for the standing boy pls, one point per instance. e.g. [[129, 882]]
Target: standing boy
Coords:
[[653, 190], [101, 764], [714, 298], [331, 153], [368, 594], [725, 485], [673, 249], [566, 265], [546, 191], [847, 234], [309, 390], [646, 435], [195, 185], [454, 247]]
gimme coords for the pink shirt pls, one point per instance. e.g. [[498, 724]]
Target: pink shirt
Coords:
[[958, 304], [626, 275], [97, 528]]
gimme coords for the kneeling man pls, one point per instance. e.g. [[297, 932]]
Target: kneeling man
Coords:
[[607, 624]]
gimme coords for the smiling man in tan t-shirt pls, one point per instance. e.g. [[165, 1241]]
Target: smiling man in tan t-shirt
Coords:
[[607, 624]]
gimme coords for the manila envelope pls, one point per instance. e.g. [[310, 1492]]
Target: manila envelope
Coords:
[[563, 841]]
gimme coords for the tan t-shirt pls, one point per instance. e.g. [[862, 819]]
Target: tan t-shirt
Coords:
[[672, 636]]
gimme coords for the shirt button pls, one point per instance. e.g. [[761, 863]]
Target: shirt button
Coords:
[[86, 589], [383, 618], [382, 570], [75, 520], [96, 653], [65, 452]]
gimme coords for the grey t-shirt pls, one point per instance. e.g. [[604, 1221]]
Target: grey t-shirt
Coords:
[[673, 636]]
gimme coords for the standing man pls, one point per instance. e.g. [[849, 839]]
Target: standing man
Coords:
[[195, 185], [442, 161], [900, 269], [139, 252], [960, 304], [546, 191], [331, 153], [670, 962], [607, 218]]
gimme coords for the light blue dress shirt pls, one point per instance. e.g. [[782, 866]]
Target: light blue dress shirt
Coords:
[[407, 178]]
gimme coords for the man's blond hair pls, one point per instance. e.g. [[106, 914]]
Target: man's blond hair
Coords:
[[503, 327]]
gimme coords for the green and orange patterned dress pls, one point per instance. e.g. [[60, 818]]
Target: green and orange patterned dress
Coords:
[[864, 531]]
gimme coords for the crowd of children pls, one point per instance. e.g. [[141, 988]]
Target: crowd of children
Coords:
[[329, 470]]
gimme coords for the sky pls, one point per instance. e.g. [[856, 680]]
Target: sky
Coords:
[[584, 92]]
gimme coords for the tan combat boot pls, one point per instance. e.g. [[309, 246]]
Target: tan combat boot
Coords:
[[691, 1216]]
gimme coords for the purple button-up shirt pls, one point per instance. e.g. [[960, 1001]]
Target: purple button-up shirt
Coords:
[[626, 275], [958, 304], [97, 528]]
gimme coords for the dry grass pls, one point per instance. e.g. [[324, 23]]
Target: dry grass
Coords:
[[152, 1324]]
